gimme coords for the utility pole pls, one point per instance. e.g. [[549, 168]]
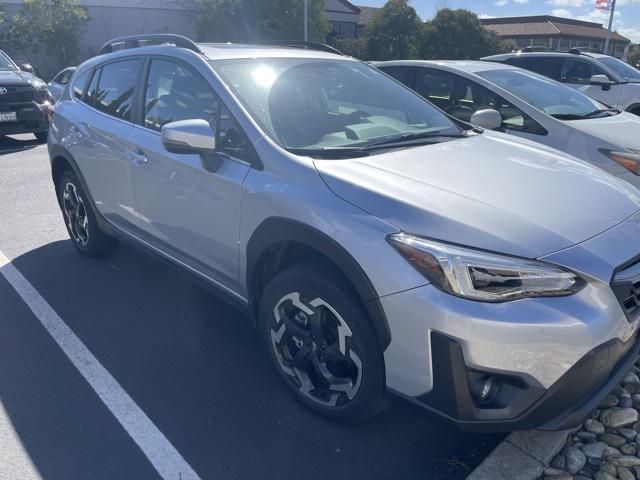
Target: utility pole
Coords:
[[606, 43], [306, 28]]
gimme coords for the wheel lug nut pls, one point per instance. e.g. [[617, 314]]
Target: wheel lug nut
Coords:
[[301, 317]]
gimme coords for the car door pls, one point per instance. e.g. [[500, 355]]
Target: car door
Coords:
[[577, 73], [189, 204], [97, 136]]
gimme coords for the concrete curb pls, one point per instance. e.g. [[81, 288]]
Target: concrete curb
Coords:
[[522, 456]]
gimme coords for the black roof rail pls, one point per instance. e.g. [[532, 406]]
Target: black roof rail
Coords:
[[536, 49], [580, 50], [135, 41], [321, 47]]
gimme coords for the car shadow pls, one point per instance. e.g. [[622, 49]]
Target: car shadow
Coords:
[[15, 143], [196, 367]]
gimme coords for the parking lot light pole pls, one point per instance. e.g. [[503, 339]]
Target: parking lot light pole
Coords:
[[306, 29]]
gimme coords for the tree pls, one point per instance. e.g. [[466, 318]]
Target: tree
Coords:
[[284, 19], [54, 25], [255, 20], [395, 32], [459, 35], [354, 47], [633, 57]]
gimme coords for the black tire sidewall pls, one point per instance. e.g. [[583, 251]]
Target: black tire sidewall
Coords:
[[328, 286], [98, 244]]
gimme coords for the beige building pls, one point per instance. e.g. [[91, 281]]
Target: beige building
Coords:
[[561, 34]]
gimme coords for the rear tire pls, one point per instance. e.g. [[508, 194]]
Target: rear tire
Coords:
[[41, 136], [322, 344], [80, 220]]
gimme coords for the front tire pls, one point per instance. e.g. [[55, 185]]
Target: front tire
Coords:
[[322, 344], [80, 220]]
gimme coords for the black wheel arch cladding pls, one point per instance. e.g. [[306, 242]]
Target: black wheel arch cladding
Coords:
[[283, 232]]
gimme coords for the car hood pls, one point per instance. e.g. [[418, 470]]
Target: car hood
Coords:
[[489, 191], [622, 130], [15, 78]]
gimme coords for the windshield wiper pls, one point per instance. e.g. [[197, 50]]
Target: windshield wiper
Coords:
[[405, 140], [331, 152], [575, 116], [410, 137]]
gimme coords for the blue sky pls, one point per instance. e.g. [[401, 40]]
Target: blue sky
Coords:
[[626, 21]]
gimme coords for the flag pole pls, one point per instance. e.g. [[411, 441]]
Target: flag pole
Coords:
[[606, 43]]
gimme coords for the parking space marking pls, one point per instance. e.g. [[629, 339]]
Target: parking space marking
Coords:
[[156, 447]]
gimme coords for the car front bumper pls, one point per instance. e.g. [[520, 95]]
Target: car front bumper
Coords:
[[31, 117], [554, 359]]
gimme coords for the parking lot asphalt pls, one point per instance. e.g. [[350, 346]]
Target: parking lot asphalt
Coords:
[[191, 364]]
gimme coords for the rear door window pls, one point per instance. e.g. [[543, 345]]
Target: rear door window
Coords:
[[403, 74], [436, 86], [115, 88], [548, 66]]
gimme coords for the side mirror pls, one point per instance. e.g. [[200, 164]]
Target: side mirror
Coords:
[[488, 118], [188, 136], [26, 67], [601, 80]]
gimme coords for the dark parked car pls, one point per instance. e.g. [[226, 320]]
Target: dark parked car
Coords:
[[24, 100]]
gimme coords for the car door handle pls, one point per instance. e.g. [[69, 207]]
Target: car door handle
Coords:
[[137, 158], [75, 132]]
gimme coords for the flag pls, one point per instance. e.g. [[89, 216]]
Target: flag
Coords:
[[603, 4]]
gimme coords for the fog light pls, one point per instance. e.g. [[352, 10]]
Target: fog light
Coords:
[[486, 389]]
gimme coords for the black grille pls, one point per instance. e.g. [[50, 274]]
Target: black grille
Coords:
[[626, 286], [17, 93]]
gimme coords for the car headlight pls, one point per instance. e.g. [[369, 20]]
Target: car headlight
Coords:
[[484, 276], [629, 160], [39, 84]]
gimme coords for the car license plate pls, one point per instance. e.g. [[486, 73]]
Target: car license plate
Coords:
[[8, 117]]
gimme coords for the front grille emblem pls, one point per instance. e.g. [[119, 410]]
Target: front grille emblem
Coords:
[[3, 91]]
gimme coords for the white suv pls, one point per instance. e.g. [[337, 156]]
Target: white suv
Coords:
[[600, 76], [375, 242]]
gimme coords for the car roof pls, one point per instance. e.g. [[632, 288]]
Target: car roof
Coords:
[[225, 51], [218, 51], [471, 66], [505, 56]]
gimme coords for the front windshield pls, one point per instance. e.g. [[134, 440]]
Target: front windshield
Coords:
[[5, 63], [315, 103], [544, 94], [626, 71]]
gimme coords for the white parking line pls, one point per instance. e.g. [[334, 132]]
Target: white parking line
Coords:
[[162, 455]]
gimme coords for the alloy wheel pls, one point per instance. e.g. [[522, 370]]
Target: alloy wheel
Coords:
[[76, 214], [315, 349]]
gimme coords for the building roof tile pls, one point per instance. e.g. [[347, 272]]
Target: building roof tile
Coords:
[[546, 25]]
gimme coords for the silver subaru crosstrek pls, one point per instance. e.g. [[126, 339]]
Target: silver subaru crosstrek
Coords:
[[377, 243]]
